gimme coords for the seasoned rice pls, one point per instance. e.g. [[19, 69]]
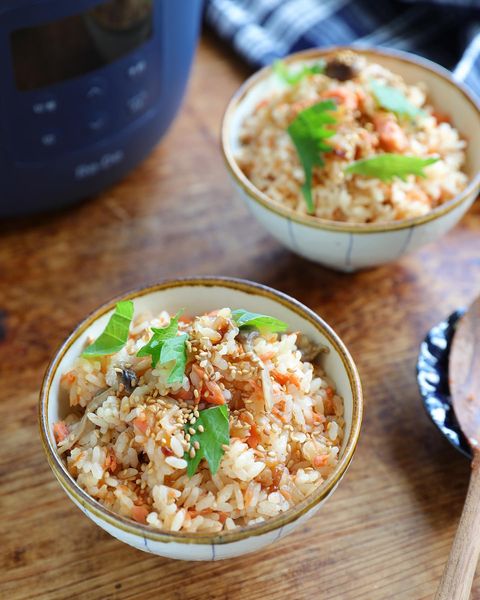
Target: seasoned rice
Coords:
[[268, 157], [125, 439]]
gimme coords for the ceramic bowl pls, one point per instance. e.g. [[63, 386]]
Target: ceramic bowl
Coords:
[[352, 246], [198, 296], [432, 379]]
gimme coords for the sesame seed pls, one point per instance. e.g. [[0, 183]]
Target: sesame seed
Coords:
[[271, 453], [196, 444], [201, 428], [187, 437], [191, 431], [196, 393], [192, 453]]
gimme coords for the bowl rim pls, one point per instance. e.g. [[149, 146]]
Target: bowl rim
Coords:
[[145, 532], [263, 200]]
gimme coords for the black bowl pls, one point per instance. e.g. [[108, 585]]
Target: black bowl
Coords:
[[432, 378]]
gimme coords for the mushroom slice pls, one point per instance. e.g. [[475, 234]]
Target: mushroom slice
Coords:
[[79, 429], [308, 349], [343, 66], [128, 378]]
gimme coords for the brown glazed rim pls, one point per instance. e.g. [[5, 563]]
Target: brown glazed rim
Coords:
[[145, 532], [316, 222]]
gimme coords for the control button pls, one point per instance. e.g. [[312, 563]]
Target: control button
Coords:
[[137, 68], [97, 122], [137, 103], [97, 89], [49, 139], [44, 106]]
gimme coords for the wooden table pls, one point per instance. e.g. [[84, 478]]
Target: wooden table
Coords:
[[387, 530]]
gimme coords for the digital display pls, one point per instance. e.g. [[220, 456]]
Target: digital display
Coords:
[[53, 52]]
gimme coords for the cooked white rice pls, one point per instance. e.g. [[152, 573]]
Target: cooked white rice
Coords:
[[268, 157], [127, 449]]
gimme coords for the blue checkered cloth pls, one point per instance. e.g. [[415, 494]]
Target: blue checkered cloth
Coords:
[[261, 31]]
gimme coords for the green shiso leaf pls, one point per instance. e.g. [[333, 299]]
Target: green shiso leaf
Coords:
[[292, 76], [308, 132], [393, 100], [216, 434], [387, 166], [115, 334], [174, 349], [264, 323], [165, 347]]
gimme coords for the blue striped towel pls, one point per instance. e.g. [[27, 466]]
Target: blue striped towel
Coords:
[[446, 31]]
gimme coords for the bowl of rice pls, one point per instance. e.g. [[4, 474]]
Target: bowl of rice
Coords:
[[201, 418], [354, 157]]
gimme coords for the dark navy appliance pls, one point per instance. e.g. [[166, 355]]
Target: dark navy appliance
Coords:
[[87, 89]]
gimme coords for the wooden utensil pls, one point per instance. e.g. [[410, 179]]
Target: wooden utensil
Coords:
[[464, 373]]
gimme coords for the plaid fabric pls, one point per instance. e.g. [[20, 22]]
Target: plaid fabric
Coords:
[[446, 31]]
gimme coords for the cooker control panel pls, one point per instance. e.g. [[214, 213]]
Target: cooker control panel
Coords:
[[80, 78]]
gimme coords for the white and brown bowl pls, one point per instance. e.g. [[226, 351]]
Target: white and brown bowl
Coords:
[[352, 246], [200, 295]]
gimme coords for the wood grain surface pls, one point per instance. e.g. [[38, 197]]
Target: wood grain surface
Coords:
[[387, 530]]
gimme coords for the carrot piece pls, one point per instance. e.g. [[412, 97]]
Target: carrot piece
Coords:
[[441, 117], [183, 394], [320, 460], [246, 418], [276, 411], [276, 478], [391, 135], [60, 431], [222, 517], [111, 461], [284, 378], [253, 438], [185, 319], [139, 514], [215, 395], [199, 372], [141, 423], [195, 513], [68, 378], [342, 96], [103, 364], [262, 104]]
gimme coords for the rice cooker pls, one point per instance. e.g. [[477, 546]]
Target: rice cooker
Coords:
[[87, 89]]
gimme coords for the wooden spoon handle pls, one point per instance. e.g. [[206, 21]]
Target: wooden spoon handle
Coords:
[[457, 578]]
